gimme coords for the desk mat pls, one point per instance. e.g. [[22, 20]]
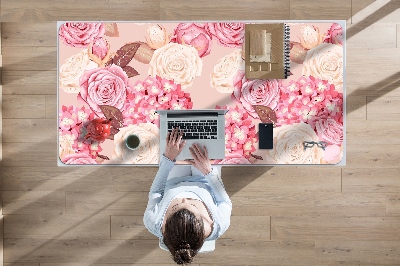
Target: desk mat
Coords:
[[128, 70]]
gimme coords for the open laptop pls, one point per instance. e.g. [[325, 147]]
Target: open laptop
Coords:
[[204, 127]]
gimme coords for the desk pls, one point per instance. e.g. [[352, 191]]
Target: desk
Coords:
[[138, 68]]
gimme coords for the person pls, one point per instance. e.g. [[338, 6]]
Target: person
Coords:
[[187, 204]]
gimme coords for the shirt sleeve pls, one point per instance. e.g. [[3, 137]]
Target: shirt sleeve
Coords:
[[156, 194], [222, 199]]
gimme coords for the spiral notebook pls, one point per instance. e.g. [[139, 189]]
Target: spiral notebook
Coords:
[[267, 51]]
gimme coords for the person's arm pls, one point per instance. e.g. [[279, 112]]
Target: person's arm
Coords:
[[224, 204], [156, 194], [222, 199], [172, 149]]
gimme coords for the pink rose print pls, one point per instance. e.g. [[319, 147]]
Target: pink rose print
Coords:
[[335, 34], [333, 154], [154, 93], [78, 158], [310, 36], [104, 86], [100, 47], [238, 80], [195, 34], [72, 125], [80, 34], [228, 34], [87, 146], [233, 158], [240, 133], [297, 53], [258, 92], [308, 99], [329, 130], [71, 117]]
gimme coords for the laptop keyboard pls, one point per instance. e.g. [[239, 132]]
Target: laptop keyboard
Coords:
[[196, 129]]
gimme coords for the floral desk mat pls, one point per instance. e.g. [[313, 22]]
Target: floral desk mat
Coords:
[[126, 71]]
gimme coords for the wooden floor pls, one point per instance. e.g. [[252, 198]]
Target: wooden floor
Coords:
[[281, 215]]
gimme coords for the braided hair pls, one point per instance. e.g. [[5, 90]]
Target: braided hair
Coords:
[[184, 235]]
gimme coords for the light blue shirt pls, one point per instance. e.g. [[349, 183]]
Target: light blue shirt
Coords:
[[209, 188]]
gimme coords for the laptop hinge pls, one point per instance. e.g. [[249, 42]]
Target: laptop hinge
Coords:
[[191, 114]]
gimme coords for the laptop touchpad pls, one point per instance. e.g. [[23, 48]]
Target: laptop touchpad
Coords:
[[186, 152]]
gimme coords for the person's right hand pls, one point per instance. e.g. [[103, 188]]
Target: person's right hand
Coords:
[[174, 144], [200, 159]]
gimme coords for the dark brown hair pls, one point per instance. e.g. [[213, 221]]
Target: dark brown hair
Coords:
[[184, 235]]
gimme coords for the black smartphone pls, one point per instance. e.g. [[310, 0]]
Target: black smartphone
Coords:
[[265, 136]]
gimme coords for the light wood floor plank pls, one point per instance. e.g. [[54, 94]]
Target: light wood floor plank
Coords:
[[1, 237], [51, 107], [373, 264], [29, 130], [381, 180], [44, 11], [33, 202], [132, 179], [84, 251], [24, 106], [112, 264], [22, 154], [384, 36], [383, 108], [129, 227], [309, 204], [326, 9], [249, 227], [50, 226], [119, 179], [356, 108], [33, 59], [60, 179], [374, 75], [14, 54], [27, 34], [266, 263], [369, 155], [107, 203], [297, 179], [364, 252], [398, 35], [359, 5], [29, 82], [228, 251], [379, 131], [21, 264], [393, 204], [259, 252], [224, 10], [335, 228], [374, 12]]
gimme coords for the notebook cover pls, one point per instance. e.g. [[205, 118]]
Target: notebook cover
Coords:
[[267, 51]]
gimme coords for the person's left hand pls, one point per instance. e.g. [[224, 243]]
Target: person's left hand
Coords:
[[174, 144]]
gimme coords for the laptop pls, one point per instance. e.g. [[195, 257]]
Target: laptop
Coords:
[[204, 127]]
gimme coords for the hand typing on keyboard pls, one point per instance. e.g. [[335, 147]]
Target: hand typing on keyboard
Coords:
[[200, 159], [174, 144], [196, 129]]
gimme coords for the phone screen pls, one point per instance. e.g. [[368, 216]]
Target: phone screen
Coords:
[[265, 136]]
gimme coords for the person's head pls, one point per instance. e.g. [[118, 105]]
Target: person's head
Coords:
[[184, 235]]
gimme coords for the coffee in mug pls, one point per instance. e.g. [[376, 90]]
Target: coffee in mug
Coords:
[[132, 142]]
